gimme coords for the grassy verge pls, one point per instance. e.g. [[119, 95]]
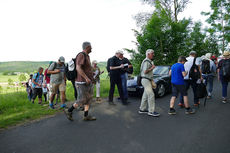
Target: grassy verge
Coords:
[[15, 108]]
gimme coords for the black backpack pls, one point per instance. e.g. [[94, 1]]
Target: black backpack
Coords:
[[108, 64], [226, 69], [70, 68], [194, 72], [201, 91], [205, 67]]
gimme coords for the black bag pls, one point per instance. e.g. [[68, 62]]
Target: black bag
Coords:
[[70, 68], [201, 91], [139, 80], [205, 67], [194, 72], [226, 69], [108, 64]]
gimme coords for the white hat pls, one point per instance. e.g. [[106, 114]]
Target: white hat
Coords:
[[120, 52], [226, 53]]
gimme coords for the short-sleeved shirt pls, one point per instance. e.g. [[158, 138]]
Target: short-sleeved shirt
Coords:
[[176, 74], [57, 78], [85, 64], [189, 64], [125, 61], [145, 65], [220, 65], [97, 73], [38, 78], [115, 61]]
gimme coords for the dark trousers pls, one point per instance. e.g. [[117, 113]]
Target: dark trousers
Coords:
[[75, 89], [115, 81], [189, 83]]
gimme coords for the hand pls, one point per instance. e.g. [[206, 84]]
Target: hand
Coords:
[[152, 67], [102, 72], [88, 81], [201, 78], [57, 71], [122, 66]]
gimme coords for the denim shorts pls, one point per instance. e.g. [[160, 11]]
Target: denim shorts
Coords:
[[179, 89]]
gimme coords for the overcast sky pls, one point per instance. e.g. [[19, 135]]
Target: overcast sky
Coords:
[[43, 30]]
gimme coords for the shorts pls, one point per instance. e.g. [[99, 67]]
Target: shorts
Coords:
[[37, 92], [179, 89], [84, 94], [54, 87]]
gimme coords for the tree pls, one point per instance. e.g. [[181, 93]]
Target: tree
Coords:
[[10, 82], [219, 18], [22, 77]]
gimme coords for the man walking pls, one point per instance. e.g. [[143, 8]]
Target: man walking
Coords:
[[148, 96], [84, 83], [115, 77], [57, 81], [191, 81], [37, 85], [178, 73]]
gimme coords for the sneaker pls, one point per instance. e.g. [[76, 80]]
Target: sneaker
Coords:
[[143, 111], [111, 103], [68, 114], [190, 111], [51, 106], [89, 118], [224, 100], [63, 106], [155, 114], [172, 111], [181, 105]]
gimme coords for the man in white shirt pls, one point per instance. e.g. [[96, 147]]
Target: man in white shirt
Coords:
[[191, 82]]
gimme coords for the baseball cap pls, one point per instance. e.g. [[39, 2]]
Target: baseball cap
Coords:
[[62, 59]]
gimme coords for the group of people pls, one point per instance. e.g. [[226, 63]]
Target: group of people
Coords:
[[186, 72]]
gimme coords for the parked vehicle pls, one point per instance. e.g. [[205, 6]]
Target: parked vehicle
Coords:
[[161, 78]]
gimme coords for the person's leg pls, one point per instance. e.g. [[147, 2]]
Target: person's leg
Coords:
[[53, 91], [194, 87], [120, 90], [187, 85], [75, 89], [124, 85], [111, 90], [98, 89], [150, 94], [210, 87], [144, 101], [49, 91], [172, 101], [35, 92], [39, 95], [224, 88], [62, 88]]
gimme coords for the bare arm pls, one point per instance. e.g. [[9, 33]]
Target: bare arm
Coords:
[[150, 69], [170, 72], [116, 67], [53, 72], [184, 73]]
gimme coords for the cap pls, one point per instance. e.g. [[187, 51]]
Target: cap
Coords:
[[94, 62], [192, 53], [62, 59], [120, 52]]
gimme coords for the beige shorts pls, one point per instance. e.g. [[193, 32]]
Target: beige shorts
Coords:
[[54, 87]]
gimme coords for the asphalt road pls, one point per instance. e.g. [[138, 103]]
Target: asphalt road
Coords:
[[120, 129]]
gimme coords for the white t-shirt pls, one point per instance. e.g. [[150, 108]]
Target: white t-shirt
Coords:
[[189, 63]]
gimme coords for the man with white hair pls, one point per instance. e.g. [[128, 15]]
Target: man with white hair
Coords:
[[84, 83], [148, 97], [115, 77], [208, 69]]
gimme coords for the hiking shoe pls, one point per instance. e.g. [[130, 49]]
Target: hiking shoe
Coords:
[[89, 118], [143, 111], [111, 103], [63, 106], [172, 111], [181, 105], [224, 100], [197, 104], [68, 114], [51, 106], [155, 114], [190, 111]]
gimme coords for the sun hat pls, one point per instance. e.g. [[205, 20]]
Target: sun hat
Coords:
[[226, 53]]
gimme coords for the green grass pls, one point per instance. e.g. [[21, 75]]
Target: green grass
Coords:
[[15, 108], [4, 78]]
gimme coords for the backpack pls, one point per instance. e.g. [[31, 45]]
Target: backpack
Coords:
[[205, 67], [201, 91], [48, 75], [226, 69], [194, 72], [108, 65], [70, 68]]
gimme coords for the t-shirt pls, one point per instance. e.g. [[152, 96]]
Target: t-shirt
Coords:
[[176, 74], [38, 78], [147, 64], [189, 64], [57, 78], [85, 64], [115, 61], [126, 62]]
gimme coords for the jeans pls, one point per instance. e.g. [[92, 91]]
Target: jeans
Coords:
[[209, 81], [189, 83], [224, 88], [115, 81], [124, 78], [148, 97]]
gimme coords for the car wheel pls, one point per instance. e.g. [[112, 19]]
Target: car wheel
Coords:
[[160, 90]]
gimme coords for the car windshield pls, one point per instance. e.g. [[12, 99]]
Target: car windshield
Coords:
[[161, 70]]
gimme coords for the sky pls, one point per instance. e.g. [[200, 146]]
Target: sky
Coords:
[[44, 30]]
